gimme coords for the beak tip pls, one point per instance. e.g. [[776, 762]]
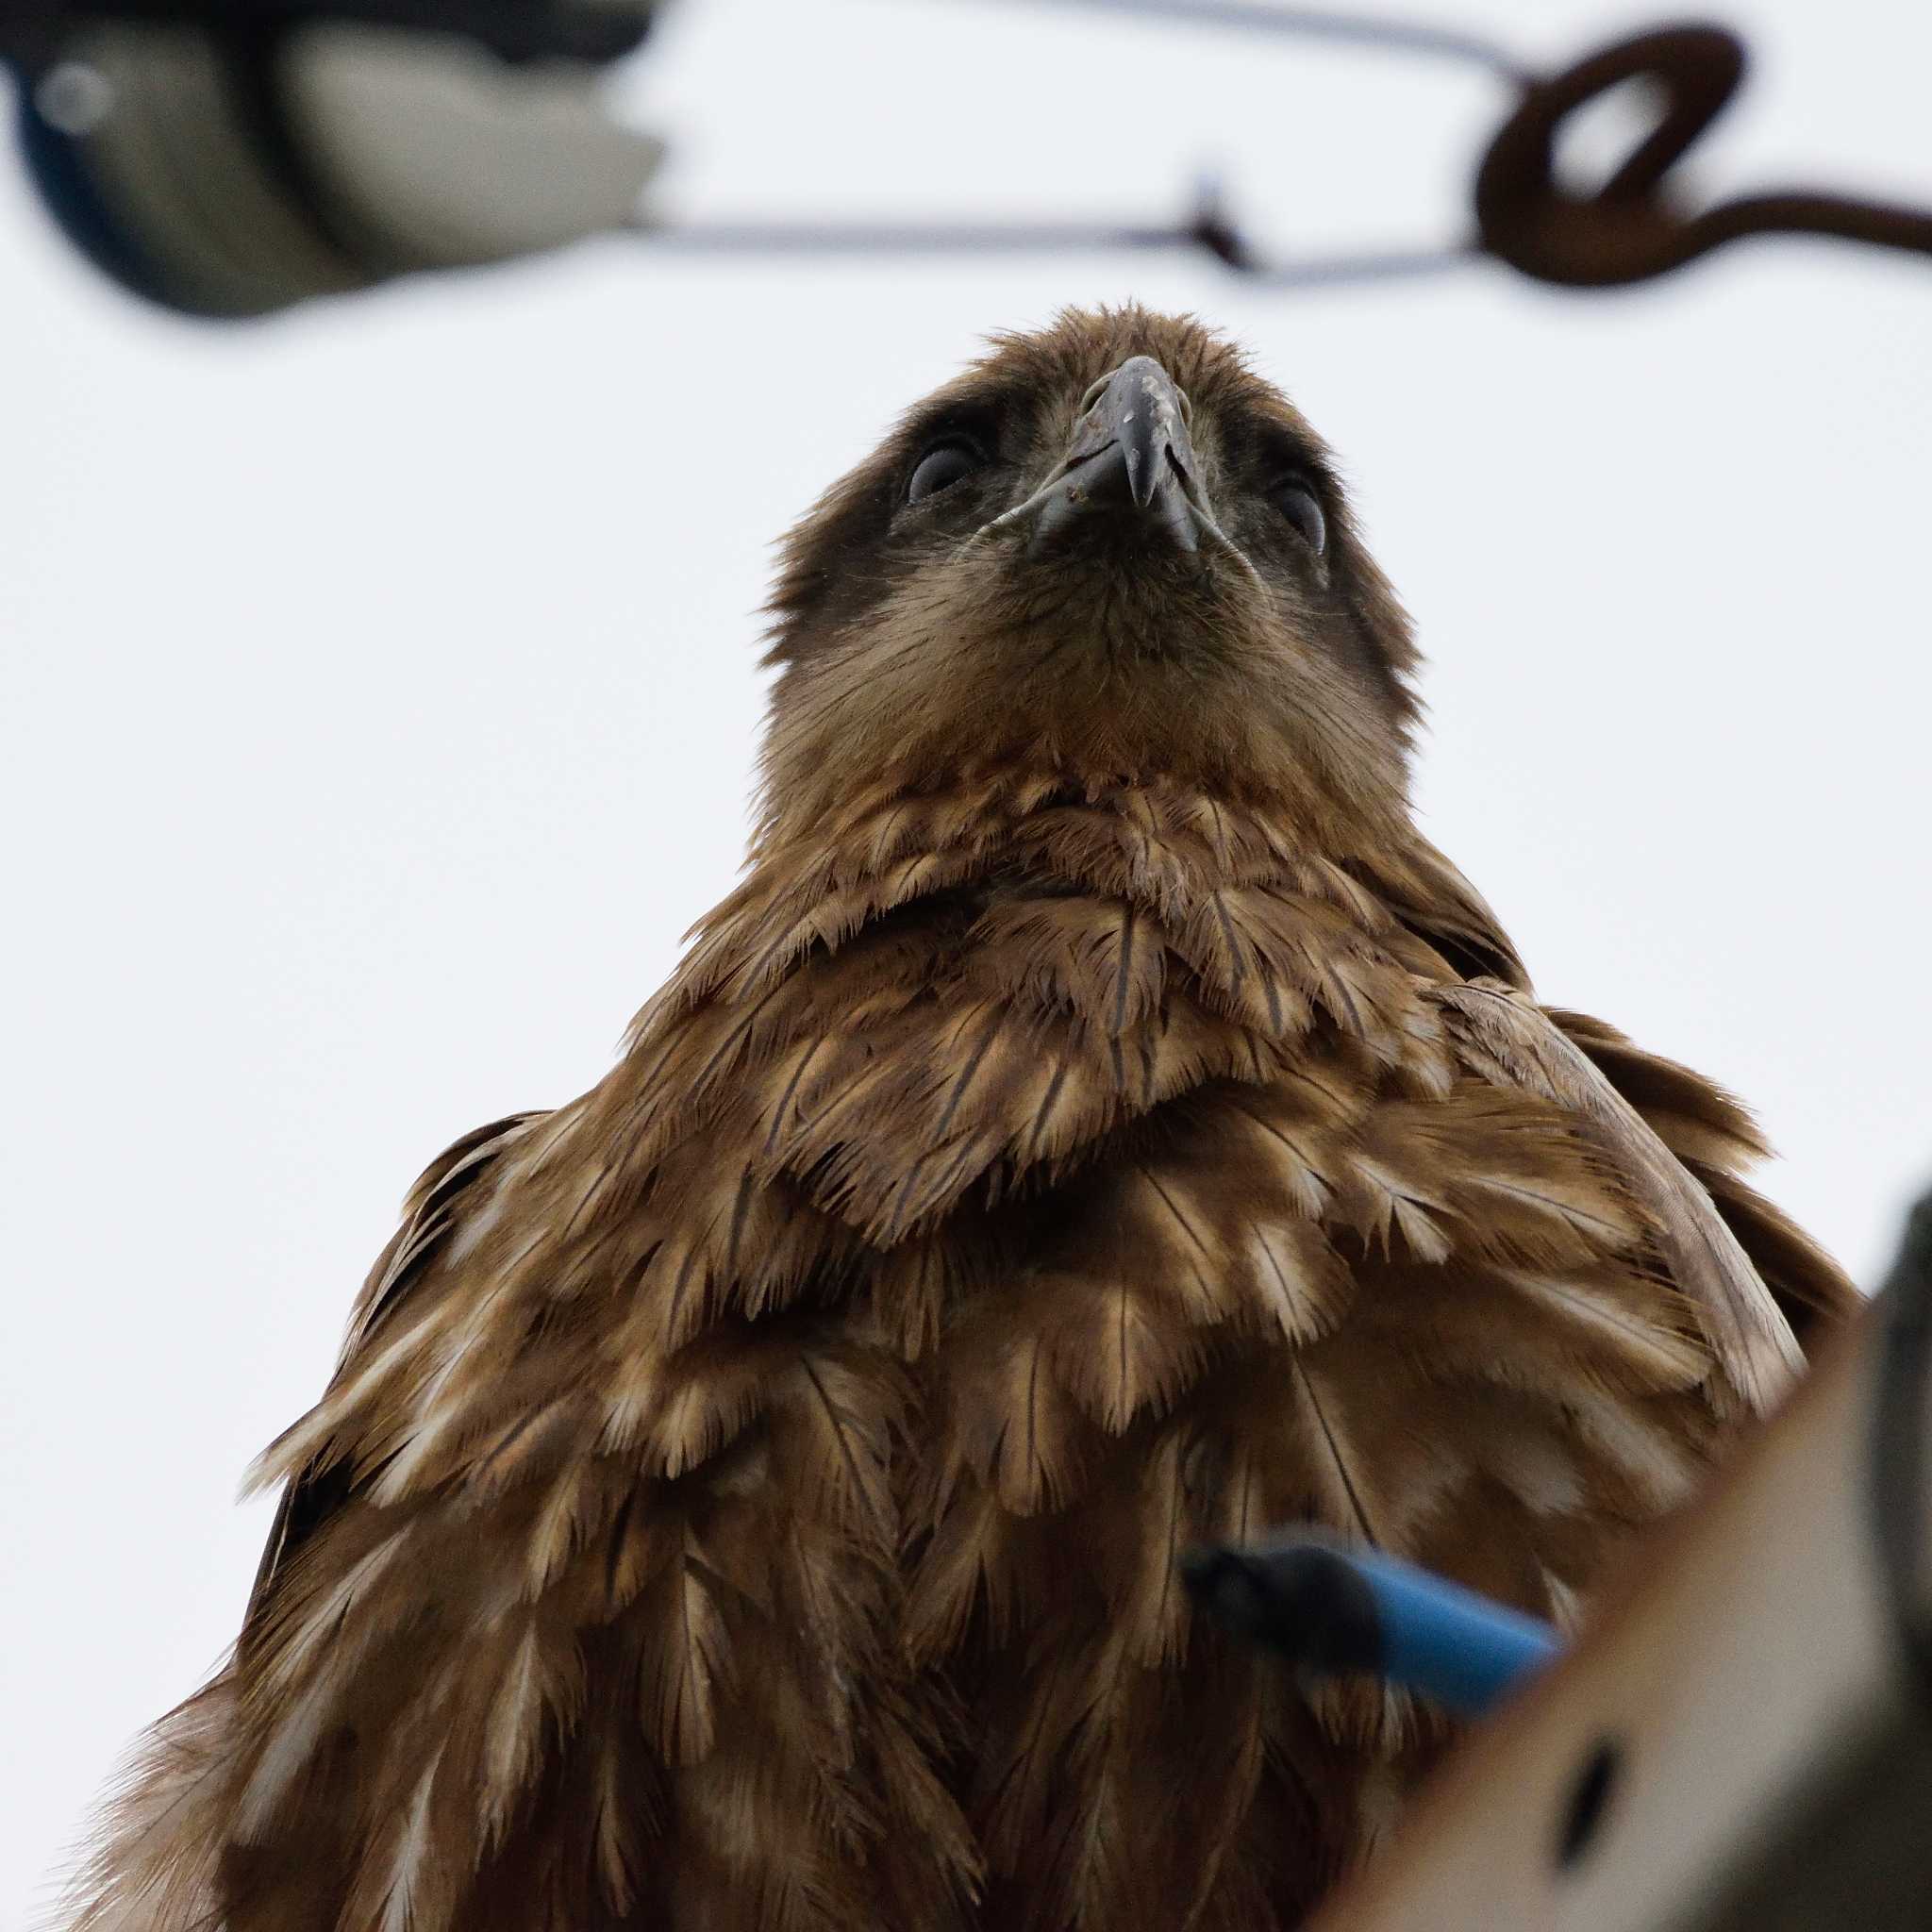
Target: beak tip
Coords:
[[1131, 444]]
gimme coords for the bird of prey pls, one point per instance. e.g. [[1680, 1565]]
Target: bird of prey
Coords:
[[1098, 1124]]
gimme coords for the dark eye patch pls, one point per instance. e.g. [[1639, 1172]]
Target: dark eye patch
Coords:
[[978, 424], [920, 467], [1268, 450], [950, 460], [1277, 467], [1295, 499]]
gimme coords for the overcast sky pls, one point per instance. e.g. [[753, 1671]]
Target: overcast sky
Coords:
[[380, 696]]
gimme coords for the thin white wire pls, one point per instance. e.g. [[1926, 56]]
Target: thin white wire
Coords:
[[1381, 32]]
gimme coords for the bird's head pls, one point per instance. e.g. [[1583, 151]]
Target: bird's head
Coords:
[[1108, 550]]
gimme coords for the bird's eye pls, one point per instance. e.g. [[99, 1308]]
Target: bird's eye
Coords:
[[1303, 509], [941, 467]]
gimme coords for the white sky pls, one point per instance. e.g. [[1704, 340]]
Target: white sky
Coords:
[[380, 695]]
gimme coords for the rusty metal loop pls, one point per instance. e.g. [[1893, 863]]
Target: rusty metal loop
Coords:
[[1629, 229]]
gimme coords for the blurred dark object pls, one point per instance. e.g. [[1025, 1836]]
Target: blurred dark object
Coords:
[[1331, 1610], [32, 31], [227, 159], [232, 156], [1741, 1741], [1628, 231]]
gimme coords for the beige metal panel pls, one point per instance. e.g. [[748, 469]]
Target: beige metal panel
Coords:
[[1743, 1739]]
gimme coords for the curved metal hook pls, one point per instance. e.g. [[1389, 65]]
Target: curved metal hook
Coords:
[[1628, 231]]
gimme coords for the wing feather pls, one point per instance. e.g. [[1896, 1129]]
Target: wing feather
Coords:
[[1516, 1045]]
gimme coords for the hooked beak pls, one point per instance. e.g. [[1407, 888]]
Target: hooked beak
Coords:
[[1131, 460], [1134, 439]]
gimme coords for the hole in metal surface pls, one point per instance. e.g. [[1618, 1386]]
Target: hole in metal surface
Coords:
[[1589, 1803]]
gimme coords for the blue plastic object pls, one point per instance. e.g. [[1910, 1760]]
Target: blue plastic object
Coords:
[[1448, 1643], [1337, 1609]]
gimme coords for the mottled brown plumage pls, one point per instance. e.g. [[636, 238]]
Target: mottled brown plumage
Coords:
[[750, 1494]]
